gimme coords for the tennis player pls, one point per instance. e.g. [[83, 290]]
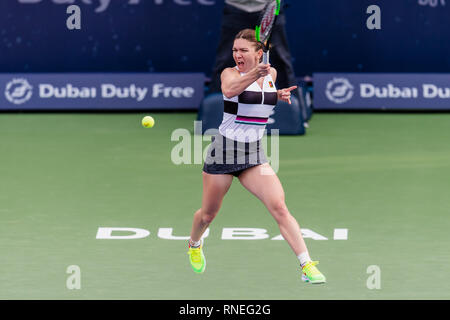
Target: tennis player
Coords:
[[249, 95]]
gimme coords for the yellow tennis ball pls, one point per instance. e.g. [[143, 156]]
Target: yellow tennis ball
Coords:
[[148, 122]]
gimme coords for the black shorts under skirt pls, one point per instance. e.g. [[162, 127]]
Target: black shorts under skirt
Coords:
[[226, 156]]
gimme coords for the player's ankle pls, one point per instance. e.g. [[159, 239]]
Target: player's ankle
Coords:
[[194, 244], [304, 258]]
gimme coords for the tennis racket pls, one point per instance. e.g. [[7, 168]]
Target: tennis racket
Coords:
[[263, 31]]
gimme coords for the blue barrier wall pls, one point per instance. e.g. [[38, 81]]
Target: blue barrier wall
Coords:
[[181, 36]]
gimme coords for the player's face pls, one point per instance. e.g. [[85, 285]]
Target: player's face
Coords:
[[244, 55]]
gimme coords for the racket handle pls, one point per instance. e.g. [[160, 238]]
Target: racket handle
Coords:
[[266, 57]]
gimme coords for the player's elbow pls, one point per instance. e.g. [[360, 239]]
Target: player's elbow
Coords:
[[227, 93]]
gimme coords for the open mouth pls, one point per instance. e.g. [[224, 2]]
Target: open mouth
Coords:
[[240, 63]]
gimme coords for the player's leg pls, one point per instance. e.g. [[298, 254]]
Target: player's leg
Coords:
[[266, 186], [215, 186]]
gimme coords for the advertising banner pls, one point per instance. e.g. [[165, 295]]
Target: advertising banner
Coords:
[[382, 91], [101, 91]]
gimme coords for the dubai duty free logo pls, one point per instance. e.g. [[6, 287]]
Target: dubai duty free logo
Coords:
[[18, 91], [339, 90]]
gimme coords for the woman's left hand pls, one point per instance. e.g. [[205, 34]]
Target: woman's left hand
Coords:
[[285, 94]]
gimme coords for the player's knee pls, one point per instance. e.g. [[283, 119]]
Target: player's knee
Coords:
[[280, 210], [209, 214], [208, 218]]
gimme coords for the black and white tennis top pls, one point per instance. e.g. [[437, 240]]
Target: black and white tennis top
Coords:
[[245, 116]]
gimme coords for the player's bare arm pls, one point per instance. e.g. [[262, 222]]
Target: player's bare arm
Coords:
[[283, 94], [234, 84]]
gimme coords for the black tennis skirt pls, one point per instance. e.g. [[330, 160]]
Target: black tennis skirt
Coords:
[[226, 156]]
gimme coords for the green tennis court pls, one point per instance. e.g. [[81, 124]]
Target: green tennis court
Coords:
[[383, 177]]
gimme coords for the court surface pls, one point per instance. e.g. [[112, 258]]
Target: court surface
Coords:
[[383, 177]]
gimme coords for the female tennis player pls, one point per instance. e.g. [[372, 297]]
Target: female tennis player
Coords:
[[249, 95]]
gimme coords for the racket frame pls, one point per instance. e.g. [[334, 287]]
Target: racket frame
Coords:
[[258, 32]]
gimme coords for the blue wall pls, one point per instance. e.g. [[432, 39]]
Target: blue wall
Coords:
[[163, 36]]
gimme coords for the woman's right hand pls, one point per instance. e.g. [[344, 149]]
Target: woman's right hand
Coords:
[[262, 69]]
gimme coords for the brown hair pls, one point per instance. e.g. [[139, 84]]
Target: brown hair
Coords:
[[249, 35]]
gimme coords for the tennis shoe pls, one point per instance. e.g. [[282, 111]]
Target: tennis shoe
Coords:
[[197, 259], [311, 274]]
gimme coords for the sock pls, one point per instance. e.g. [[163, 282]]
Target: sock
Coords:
[[195, 244], [304, 258]]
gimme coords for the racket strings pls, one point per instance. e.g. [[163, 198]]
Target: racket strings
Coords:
[[267, 23]]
